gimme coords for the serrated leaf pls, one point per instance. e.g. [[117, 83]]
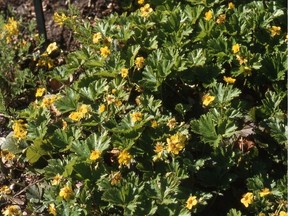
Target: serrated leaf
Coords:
[[225, 93], [68, 102], [196, 58], [60, 140], [10, 144], [234, 212], [206, 129], [35, 151], [278, 130], [100, 142], [94, 89], [158, 68]]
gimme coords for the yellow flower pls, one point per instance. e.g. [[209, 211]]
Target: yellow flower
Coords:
[[51, 47], [6, 155], [12, 210], [19, 129], [52, 209], [49, 100], [75, 116], [115, 178], [110, 99], [124, 72], [139, 62], [40, 92], [97, 37], [207, 99], [95, 154], [66, 192], [154, 124], [118, 103], [208, 15], [114, 91], [11, 27], [84, 109], [105, 52], [221, 19], [45, 62], [57, 179], [159, 149], [283, 213], [136, 116], [247, 199], [171, 123], [261, 214], [176, 143], [59, 19], [264, 192], [229, 80], [275, 30], [236, 48], [231, 6], [4, 190], [191, 201], [145, 10], [140, 2], [124, 158], [102, 108]]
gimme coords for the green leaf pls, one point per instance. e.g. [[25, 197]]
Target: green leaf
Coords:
[[11, 144], [34, 193], [193, 13], [94, 90], [35, 151], [54, 167], [225, 93], [100, 142], [205, 127], [158, 67], [278, 130], [196, 58], [234, 212], [61, 140], [68, 102]]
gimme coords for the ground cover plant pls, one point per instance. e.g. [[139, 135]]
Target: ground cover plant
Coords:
[[167, 108]]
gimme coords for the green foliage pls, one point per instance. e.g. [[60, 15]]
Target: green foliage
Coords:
[[132, 137]]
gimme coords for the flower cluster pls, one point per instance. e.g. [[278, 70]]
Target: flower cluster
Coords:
[[176, 143], [81, 112], [20, 129], [11, 28]]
